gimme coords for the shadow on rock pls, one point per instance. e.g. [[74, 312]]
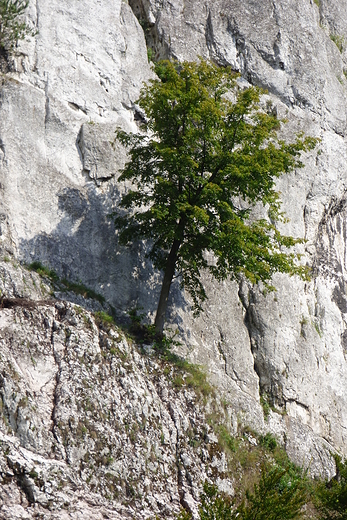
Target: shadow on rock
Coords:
[[84, 248]]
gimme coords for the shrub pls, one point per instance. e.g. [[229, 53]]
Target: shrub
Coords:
[[332, 496], [12, 28], [268, 441], [275, 497]]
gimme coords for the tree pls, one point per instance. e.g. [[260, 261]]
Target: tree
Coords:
[[332, 496], [12, 28], [275, 497], [210, 153]]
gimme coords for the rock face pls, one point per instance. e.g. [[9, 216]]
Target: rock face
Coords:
[[90, 425], [62, 95], [297, 51]]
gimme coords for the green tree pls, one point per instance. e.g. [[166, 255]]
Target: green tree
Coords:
[[275, 497], [210, 154], [332, 496], [12, 27]]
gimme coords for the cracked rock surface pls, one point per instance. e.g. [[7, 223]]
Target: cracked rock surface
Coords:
[[89, 424], [298, 52], [62, 96]]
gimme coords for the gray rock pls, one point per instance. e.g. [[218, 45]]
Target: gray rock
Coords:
[[90, 425], [297, 335], [65, 93], [103, 156]]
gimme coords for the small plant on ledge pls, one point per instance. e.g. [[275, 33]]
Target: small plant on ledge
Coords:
[[12, 27]]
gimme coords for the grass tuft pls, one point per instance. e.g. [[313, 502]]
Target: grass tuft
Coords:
[[64, 284], [43, 271], [103, 320], [339, 41]]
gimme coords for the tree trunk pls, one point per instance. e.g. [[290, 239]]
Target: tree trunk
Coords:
[[165, 288]]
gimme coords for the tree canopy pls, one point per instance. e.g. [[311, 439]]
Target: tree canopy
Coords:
[[208, 153]]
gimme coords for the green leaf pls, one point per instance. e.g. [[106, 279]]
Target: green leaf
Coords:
[[210, 155]]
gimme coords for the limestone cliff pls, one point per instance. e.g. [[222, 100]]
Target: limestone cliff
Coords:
[[91, 426], [62, 95]]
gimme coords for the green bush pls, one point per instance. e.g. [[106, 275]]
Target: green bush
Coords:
[[268, 441], [12, 28], [274, 497], [331, 497]]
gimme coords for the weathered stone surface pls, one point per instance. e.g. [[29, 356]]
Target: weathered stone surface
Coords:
[[297, 335], [103, 156], [91, 425], [67, 90]]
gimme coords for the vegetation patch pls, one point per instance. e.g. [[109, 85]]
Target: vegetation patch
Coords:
[[189, 375], [339, 41], [268, 441], [178, 370], [104, 320], [12, 26], [268, 487], [330, 497], [64, 284], [265, 405], [227, 442]]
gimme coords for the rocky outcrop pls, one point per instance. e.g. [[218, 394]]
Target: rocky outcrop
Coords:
[[297, 51], [63, 95], [91, 425]]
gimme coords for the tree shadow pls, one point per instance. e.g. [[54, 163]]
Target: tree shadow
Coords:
[[84, 248]]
